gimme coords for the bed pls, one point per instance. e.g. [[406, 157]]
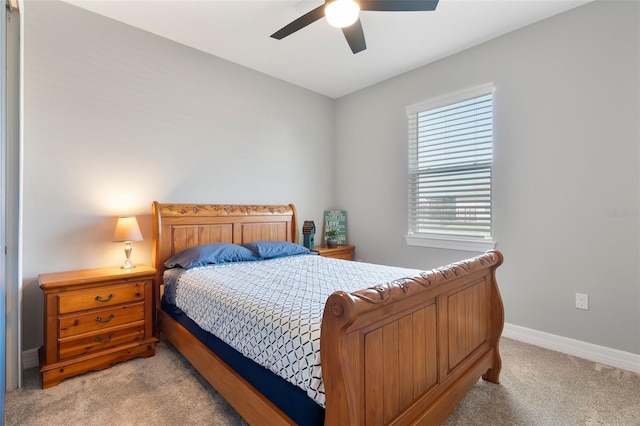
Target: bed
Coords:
[[399, 352]]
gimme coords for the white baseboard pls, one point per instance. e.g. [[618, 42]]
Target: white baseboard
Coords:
[[30, 358], [612, 357]]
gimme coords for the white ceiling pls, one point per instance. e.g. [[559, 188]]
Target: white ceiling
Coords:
[[318, 57]]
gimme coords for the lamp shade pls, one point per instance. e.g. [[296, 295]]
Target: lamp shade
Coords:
[[127, 229], [342, 13]]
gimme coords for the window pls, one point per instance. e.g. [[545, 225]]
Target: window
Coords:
[[450, 162]]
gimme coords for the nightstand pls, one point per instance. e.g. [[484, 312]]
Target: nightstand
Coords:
[[95, 318], [340, 252]]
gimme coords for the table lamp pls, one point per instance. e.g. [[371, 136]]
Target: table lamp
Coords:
[[127, 230]]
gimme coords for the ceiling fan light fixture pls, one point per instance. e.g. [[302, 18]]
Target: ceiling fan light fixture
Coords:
[[342, 13]]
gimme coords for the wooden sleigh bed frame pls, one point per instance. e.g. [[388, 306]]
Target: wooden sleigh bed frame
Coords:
[[403, 352]]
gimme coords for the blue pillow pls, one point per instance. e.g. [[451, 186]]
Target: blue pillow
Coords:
[[207, 254], [273, 249]]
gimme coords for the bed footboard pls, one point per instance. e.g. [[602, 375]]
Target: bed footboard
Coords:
[[407, 351]]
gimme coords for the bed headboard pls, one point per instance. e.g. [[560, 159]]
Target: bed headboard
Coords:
[[179, 226]]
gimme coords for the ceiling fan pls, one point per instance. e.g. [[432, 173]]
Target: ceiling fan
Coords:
[[345, 14]]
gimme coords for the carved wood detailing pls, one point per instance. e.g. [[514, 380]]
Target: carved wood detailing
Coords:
[[223, 210], [384, 292]]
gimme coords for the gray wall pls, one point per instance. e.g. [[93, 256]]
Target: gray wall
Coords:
[[566, 207], [116, 118]]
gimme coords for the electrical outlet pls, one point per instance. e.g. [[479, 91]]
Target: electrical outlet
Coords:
[[582, 301]]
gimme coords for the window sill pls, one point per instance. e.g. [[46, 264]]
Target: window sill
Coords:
[[451, 243]]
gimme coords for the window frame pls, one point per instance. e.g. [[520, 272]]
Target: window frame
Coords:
[[452, 241]]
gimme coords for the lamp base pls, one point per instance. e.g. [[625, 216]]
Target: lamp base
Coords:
[[127, 252]]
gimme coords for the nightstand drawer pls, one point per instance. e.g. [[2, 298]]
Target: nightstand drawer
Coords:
[[107, 338], [100, 297], [99, 319]]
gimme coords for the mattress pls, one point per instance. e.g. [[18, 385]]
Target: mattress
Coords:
[[270, 311], [292, 400]]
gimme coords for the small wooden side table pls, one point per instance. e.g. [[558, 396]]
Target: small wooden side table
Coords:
[[340, 252], [95, 318]]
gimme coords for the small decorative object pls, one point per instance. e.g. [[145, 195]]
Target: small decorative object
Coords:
[[309, 231], [127, 230], [336, 220], [332, 238]]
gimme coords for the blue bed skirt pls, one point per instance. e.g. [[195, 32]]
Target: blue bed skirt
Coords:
[[292, 400]]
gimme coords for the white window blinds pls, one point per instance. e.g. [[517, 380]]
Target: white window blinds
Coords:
[[450, 161]]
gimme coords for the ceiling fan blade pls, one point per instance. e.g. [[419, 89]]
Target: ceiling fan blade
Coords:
[[398, 5], [301, 22], [355, 37]]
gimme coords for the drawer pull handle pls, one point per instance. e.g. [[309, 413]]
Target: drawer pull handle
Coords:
[[109, 318], [99, 339], [111, 296]]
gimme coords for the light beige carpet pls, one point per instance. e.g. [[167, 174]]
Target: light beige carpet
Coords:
[[538, 387]]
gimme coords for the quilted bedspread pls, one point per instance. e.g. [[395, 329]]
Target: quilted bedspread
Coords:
[[271, 310]]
